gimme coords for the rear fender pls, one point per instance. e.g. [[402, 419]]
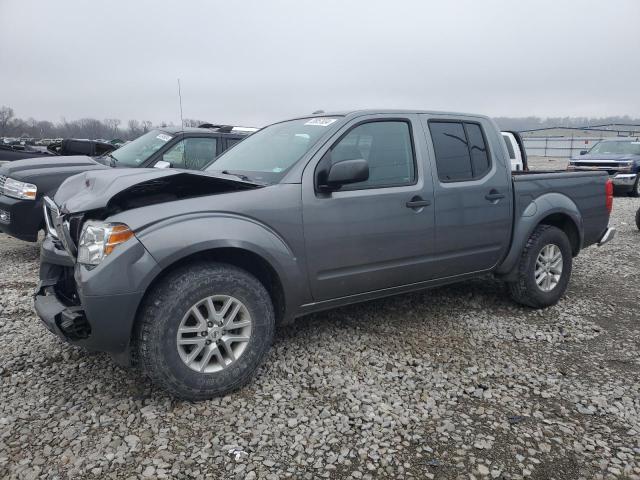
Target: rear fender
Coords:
[[532, 215]]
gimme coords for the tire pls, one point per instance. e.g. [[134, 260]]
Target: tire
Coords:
[[635, 191], [638, 219], [525, 289], [170, 305]]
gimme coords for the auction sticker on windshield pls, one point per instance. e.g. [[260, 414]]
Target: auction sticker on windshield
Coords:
[[321, 122], [164, 137]]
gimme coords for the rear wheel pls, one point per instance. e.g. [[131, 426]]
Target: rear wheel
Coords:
[[204, 330], [544, 269], [638, 219]]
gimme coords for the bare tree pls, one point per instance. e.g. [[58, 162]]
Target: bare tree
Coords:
[[6, 114], [112, 124], [134, 128]]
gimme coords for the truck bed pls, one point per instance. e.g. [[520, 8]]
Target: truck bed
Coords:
[[581, 191]]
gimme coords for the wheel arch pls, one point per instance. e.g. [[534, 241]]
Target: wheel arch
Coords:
[[552, 209], [242, 258]]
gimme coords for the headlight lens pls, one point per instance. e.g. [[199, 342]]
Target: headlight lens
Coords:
[[99, 239], [14, 188]]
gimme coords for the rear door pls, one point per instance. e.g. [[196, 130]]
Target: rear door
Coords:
[[378, 233], [473, 198]]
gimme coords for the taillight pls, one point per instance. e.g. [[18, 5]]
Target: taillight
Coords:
[[609, 194]]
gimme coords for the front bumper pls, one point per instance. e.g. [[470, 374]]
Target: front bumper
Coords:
[[93, 308], [21, 219], [627, 180]]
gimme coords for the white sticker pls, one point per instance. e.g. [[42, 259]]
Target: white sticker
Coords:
[[164, 137], [321, 122]]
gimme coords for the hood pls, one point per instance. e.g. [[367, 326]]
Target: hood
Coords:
[[33, 167], [614, 157], [123, 189]]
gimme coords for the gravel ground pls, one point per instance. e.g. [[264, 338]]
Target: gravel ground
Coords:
[[456, 382]]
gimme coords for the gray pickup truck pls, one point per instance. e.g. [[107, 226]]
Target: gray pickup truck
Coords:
[[186, 274]]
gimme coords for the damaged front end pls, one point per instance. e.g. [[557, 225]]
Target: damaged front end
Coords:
[[56, 299], [88, 295]]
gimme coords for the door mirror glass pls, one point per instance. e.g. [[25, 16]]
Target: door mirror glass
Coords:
[[346, 172], [162, 164], [583, 152]]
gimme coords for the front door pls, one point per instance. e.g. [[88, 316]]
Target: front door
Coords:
[[472, 185], [378, 233]]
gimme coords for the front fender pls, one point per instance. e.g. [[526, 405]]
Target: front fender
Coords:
[[532, 214], [179, 237]]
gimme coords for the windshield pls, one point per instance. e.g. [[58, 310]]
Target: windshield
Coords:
[[617, 148], [137, 152], [267, 154]]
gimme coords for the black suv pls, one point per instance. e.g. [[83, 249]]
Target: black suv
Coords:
[[24, 183]]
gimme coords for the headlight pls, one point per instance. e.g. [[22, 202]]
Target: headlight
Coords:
[[98, 239], [14, 188]]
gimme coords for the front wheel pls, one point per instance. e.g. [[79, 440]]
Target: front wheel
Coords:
[[638, 219], [544, 269], [204, 330], [635, 191]]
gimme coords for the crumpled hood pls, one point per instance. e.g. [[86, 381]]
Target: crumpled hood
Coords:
[[614, 157], [31, 168], [95, 189]]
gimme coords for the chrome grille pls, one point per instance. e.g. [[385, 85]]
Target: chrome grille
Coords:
[[3, 179], [51, 214], [58, 227]]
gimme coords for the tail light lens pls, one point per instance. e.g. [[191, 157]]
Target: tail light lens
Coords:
[[609, 194]]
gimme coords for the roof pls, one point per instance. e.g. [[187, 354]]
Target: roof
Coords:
[[399, 111]]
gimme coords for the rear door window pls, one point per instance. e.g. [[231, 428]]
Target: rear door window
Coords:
[[461, 150]]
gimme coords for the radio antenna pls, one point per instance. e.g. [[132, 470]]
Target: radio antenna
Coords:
[[180, 98]]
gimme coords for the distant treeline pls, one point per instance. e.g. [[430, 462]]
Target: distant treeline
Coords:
[[111, 128], [530, 123]]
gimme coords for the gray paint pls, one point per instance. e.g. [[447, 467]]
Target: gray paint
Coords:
[[338, 248]]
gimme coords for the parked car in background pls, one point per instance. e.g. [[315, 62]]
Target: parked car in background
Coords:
[[69, 146], [619, 157], [24, 183], [191, 271], [515, 148]]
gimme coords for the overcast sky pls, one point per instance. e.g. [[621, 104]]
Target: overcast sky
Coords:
[[252, 62]]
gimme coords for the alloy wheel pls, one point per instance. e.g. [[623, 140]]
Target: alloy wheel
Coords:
[[548, 267], [214, 333]]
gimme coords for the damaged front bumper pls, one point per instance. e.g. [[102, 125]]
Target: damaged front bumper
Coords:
[[93, 308]]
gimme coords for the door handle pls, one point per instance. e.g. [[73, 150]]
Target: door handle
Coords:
[[417, 202], [494, 195]]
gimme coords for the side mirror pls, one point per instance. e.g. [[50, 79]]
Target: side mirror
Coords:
[[162, 164], [346, 172], [582, 152]]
